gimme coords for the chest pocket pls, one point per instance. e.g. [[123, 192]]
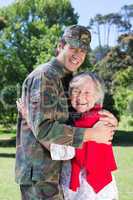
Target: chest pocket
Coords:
[[35, 96], [62, 107]]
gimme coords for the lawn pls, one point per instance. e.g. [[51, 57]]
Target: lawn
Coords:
[[123, 148], [8, 189], [124, 176]]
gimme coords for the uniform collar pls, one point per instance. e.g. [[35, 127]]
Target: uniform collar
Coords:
[[60, 68]]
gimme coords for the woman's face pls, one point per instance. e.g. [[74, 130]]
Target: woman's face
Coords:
[[84, 97], [71, 58]]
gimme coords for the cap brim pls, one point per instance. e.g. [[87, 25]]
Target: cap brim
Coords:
[[77, 44]]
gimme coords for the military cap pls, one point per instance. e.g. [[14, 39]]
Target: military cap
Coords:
[[77, 36]]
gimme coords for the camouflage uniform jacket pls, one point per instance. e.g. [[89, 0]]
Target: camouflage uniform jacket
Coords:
[[47, 109]]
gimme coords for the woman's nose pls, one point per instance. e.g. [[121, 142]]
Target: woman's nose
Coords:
[[80, 96]]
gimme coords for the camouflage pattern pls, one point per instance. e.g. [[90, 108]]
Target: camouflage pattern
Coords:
[[78, 37], [46, 103], [41, 190]]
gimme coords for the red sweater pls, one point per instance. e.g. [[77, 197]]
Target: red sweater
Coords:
[[96, 158]]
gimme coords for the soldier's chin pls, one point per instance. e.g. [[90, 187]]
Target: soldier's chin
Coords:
[[73, 67]]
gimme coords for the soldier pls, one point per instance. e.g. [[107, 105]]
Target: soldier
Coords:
[[45, 101]]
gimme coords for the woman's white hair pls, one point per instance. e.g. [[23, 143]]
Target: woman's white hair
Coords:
[[83, 78]]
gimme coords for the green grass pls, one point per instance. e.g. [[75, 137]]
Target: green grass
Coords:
[[6, 133], [126, 123], [8, 189], [124, 175], [7, 136], [123, 148]]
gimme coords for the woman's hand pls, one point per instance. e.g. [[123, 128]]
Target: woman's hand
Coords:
[[21, 108]]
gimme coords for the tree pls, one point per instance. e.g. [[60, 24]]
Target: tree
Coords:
[[97, 52], [120, 22], [117, 71], [127, 11], [110, 20], [96, 22], [2, 23], [126, 43], [29, 19], [30, 36], [122, 89]]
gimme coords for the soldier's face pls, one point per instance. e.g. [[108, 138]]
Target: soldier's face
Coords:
[[72, 58]]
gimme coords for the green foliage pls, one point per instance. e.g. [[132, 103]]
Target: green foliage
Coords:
[[57, 12], [101, 52], [126, 43], [117, 71], [29, 22], [2, 23], [30, 30], [109, 104], [88, 63], [9, 94], [47, 44], [123, 90]]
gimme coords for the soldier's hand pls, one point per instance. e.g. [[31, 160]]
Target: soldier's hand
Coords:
[[100, 133], [108, 118]]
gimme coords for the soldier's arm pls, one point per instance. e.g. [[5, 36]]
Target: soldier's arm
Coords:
[[44, 116]]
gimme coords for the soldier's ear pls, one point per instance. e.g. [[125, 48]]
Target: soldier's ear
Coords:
[[60, 46]]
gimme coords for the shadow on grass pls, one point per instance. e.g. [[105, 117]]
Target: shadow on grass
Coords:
[[7, 155], [7, 131], [11, 142], [123, 138]]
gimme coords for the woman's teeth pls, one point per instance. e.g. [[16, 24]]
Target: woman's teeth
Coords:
[[82, 104]]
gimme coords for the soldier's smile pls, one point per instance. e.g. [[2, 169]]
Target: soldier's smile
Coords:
[[75, 60]]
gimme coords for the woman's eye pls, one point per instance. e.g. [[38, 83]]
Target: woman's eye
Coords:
[[75, 91], [87, 93]]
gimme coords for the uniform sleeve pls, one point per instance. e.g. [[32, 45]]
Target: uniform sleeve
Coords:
[[45, 111]]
